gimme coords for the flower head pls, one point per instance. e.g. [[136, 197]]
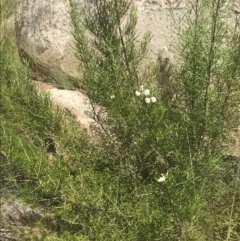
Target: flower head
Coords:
[[137, 93], [153, 99], [112, 96], [162, 179], [146, 92], [147, 100]]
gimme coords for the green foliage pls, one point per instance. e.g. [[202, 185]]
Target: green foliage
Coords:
[[109, 187], [183, 132], [111, 55]]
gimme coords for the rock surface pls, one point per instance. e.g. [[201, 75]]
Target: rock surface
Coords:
[[72, 101], [44, 36], [16, 217], [43, 30]]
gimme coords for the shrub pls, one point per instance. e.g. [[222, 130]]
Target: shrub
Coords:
[[157, 169], [176, 128]]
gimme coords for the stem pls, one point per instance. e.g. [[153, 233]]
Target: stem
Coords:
[[123, 44], [178, 224], [233, 200], [195, 47], [210, 63]]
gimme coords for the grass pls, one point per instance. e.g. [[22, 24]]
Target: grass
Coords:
[[108, 190]]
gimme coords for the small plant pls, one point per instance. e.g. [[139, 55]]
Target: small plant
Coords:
[[111, 59]]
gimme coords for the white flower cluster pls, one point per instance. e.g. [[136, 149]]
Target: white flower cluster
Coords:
[[161, 179], [112, 97], [146, 92]]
